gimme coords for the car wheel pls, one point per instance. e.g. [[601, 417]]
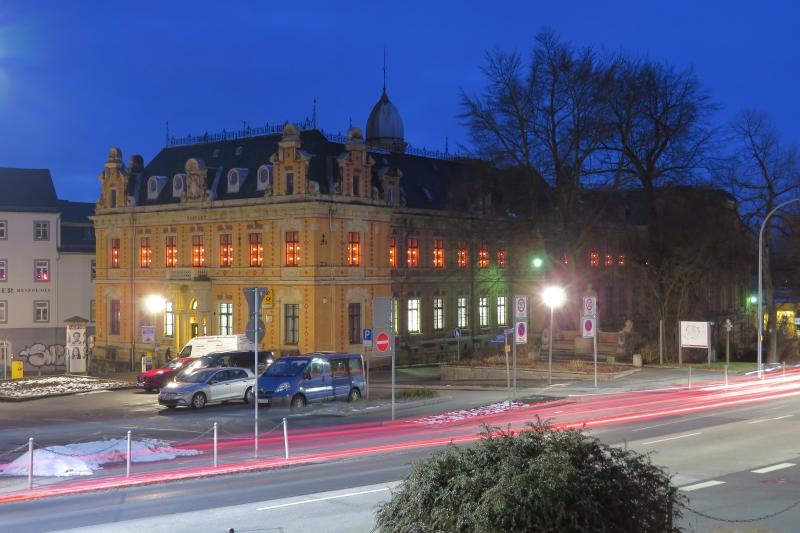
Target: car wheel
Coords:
[[298, 401], [354, 395], [198, 401], [247, 393]]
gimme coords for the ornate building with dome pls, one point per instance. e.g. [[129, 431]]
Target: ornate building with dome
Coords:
[[326, 223]]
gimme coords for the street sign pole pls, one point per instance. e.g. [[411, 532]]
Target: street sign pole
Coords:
[[514, 359], [256, 305], [393, 384], [594, 343]]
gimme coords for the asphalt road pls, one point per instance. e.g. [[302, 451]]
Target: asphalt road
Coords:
[[735, 462]]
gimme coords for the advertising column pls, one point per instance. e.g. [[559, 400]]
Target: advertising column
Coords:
[[76, 345]]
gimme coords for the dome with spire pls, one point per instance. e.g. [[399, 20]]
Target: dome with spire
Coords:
[[384, 126]]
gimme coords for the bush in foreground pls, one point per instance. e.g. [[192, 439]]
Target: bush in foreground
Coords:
[[537, 480]]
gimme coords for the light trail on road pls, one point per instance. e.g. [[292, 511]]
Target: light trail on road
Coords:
[[358, 439]]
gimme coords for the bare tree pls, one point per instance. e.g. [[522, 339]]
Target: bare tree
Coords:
[[661, 135], [763, 173], [547, 117]]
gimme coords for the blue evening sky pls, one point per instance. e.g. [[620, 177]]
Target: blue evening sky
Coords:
[[77, 77]]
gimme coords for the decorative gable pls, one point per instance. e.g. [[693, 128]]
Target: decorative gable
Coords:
[[113, 182], [355, 167]]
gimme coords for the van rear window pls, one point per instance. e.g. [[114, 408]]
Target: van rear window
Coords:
[[355, 365]]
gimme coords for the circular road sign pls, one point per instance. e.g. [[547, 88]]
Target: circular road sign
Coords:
[[588, 326], [382, 342], [521, 329]]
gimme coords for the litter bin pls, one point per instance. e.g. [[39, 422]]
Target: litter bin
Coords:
[[17, 369], [637, 360]]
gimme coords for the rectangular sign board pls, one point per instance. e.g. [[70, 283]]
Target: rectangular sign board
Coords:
[[694, 334], [587, 325], [521, 332], [520, 307], [589, 306]]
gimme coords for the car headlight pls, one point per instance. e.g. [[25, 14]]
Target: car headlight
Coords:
[[283, 387]]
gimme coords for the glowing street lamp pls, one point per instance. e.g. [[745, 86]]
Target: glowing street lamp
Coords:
[[155, 303], [553, 297]]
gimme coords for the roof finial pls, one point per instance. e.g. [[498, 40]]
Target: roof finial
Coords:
[[384, 70], [314, 115]]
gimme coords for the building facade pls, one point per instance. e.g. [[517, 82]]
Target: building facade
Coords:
[[46, 276], [327, 224]]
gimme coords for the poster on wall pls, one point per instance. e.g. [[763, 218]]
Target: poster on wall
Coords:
[[76, 347]]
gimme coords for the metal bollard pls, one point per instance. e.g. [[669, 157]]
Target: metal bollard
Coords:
[[30, 463], [285, 439], [690, 376], [726, 375], [215, 444], [128, 461]]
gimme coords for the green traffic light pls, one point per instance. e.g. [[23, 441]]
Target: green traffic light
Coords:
[[537, 262], [753, 299]]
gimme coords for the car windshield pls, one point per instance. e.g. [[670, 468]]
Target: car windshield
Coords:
[[175, 363], [286, 368], [198, 377], [202, 362]]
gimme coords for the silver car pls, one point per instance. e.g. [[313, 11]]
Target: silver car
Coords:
[[209, 385]]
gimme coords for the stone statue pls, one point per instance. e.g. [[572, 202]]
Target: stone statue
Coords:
[[623, 338]]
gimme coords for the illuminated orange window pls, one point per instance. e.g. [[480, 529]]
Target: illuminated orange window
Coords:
[[609, 260], [292, 248], [114, 253], [501, 258], [171, 251], [483, 255], [621, 260], [462, 255], [198, 251], [594, 259], [412, 252], [145, 253], [392, 252], [225, 250], [256, 250], [438, 253], [354, 248]]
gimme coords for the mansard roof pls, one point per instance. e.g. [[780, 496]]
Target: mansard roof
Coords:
[[427, 182], [27, 190]]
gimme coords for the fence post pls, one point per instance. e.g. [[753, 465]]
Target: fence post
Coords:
[[30, 463], [285, 439], [128, 461], [215, 444]]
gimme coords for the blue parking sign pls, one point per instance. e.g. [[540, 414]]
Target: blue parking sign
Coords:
[[366, 336]]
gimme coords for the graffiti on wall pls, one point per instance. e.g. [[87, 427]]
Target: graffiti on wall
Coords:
[[40, 356]]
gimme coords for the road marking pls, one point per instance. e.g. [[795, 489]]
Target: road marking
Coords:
[[772, 468], [657, 425], [671, 438], [781, 417], [758, 421], [703, 485], [314, 500]]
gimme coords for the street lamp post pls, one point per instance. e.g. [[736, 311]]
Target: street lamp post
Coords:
[[760, 317], [553, 297], [155, 304]]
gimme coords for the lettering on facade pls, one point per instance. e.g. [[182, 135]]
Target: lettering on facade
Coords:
[[19, 290]]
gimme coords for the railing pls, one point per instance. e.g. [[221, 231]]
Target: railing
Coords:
[[304, 125]]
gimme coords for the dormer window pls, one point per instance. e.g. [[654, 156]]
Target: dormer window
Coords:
[[264, 177], [154, 186], [235, 178], [178, 183]]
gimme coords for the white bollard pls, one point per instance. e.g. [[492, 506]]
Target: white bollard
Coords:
[[690, 376], [128, 461], [30, 463], [215, 444], [285, 439], [726, 375]]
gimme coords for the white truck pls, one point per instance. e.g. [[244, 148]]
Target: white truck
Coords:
[[200, 346]]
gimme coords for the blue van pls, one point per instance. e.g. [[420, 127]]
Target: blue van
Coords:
[[297, 380]]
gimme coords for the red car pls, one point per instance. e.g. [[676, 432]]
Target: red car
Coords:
[[156, 379]]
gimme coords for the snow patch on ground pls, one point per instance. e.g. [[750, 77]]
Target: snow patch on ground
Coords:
[[47, 386], [465, 414], [84, 458]]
